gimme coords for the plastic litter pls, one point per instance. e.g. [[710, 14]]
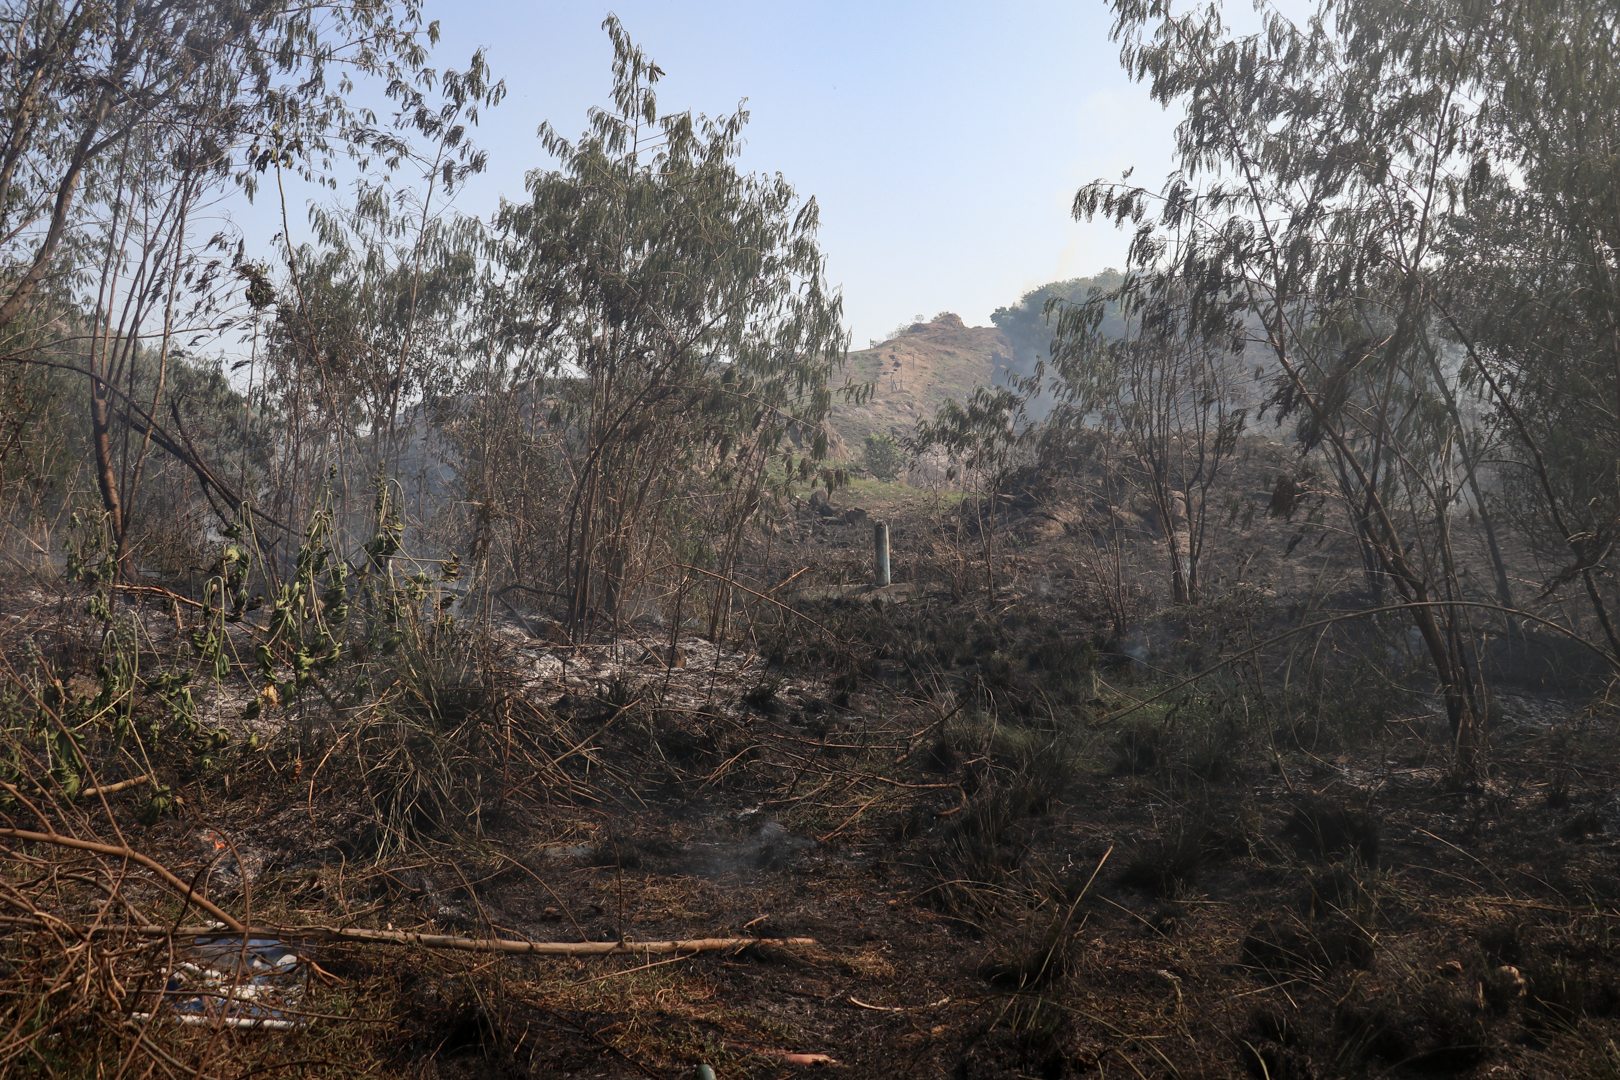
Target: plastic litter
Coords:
[[217, 982]]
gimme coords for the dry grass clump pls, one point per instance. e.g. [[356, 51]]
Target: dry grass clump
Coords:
[[1191, 839]]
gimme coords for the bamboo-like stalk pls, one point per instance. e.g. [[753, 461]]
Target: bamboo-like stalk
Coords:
[[361, 935], [531, 948]]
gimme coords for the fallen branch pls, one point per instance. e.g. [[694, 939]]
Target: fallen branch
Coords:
[[789, 1056], [533, 948], [142, 422], [157, 590], [117, 851], [360, 935], [850, 820], [104, 789], [122, 785]]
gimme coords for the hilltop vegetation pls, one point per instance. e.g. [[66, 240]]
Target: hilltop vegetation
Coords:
[[1028, 324]]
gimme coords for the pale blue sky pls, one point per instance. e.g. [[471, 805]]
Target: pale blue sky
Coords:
[[944, 142]]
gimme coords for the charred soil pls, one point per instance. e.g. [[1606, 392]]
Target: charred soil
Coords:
[[1023, 844]]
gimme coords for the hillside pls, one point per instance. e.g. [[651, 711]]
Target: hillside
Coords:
[[915, 373]]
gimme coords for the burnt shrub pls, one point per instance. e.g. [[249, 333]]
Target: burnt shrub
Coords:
[[1425, 1027], [1583, 825], [1271, 1061], [1323, 830], [1041, 956], [1020, 772], [1269, 1047], [1565, 989], [1339, 890], [1285, 948], [1190, 841], [1503, 942], [1140, 748]]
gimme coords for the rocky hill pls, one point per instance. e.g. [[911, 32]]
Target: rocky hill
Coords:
[[914, 373]]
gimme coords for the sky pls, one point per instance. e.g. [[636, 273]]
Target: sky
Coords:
[[943, 142]]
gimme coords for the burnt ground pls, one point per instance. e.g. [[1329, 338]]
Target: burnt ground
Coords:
[[1022, 846]]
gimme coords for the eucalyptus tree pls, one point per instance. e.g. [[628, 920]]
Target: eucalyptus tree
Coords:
[[678, 310], [1174, 398], [370, 327], [365, 337], [1313, 175], [985, 440], [120, 118], [1530, 282]]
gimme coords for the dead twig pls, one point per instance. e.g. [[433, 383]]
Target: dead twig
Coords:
[[853, 1000], [597, 1039], [769, 600]]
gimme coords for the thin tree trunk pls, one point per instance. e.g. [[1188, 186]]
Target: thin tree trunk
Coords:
[[106, 482], [1576, 546]]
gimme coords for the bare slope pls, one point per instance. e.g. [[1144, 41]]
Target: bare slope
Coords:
[[915, 373]]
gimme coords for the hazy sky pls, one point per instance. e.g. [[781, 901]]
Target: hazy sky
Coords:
[[944, 142]]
